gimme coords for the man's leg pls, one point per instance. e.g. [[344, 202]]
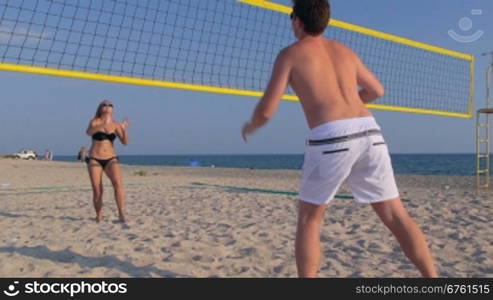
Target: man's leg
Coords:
[[307, 243], [408, 234]]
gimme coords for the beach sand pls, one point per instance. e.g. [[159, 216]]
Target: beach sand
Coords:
[[214, 222]]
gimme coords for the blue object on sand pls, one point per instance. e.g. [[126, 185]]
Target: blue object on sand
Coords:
[[194, 163]]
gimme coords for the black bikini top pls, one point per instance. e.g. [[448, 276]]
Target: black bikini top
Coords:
[[100, 136]]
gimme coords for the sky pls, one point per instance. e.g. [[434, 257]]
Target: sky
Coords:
[[44, 112]]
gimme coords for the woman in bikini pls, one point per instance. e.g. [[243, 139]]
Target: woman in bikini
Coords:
[[102, 156]]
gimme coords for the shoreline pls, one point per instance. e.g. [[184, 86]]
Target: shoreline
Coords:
[[217, 167]]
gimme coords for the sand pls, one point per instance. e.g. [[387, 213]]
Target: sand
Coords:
[[215, 222]]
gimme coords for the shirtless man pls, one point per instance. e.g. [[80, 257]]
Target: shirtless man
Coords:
[[345, 141]]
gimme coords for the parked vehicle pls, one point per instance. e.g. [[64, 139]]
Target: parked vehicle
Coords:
[[26, 154]]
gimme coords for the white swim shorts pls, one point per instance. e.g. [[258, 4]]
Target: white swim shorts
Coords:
[[352, 149]]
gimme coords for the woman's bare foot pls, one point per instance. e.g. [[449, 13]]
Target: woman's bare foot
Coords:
[[98, 218]]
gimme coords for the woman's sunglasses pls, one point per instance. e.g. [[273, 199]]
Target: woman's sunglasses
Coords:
[[110, 105]]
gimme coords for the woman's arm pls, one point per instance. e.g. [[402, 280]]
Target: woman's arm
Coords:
[[91, 129], [122, 132]]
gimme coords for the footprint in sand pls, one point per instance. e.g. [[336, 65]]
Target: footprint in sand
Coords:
[[243, 269], [353, 229], [278, 269], [197, 258], [168, 258], [248, 251], [230, 242], [131, 236]]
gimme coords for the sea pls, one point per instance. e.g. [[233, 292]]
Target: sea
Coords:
[[415, 164]]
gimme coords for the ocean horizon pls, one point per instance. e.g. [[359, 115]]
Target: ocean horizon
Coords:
[[411, 164]]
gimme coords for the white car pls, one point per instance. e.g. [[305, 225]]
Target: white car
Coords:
[[26, 154]]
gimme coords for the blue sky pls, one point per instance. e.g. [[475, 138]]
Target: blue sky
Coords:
[[42, 112]]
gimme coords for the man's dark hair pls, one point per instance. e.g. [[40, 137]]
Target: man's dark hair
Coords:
[[314, 14]]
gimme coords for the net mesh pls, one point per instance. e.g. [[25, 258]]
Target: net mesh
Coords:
[[215, 43]]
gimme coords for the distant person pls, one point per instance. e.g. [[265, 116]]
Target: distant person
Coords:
[[345, 141], [46, 155], [102, 156], [82, 154], [50, 155]]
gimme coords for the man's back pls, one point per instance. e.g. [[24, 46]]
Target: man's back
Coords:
[[345, 142], [325, 75]]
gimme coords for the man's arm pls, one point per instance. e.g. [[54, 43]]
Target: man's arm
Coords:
[[371, 88], [269, 102]]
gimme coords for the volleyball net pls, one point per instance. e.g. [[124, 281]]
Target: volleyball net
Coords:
[[219, 46]]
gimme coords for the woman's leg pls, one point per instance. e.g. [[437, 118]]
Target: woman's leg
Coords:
[[96, 176], [113, 171]]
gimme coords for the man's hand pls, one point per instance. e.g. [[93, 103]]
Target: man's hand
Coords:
[[267, 105], [246, 131]]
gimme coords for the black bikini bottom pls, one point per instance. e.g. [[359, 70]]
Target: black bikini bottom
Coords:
[[102, 162]]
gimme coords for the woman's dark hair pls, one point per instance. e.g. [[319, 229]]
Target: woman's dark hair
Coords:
[[314, 14]]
